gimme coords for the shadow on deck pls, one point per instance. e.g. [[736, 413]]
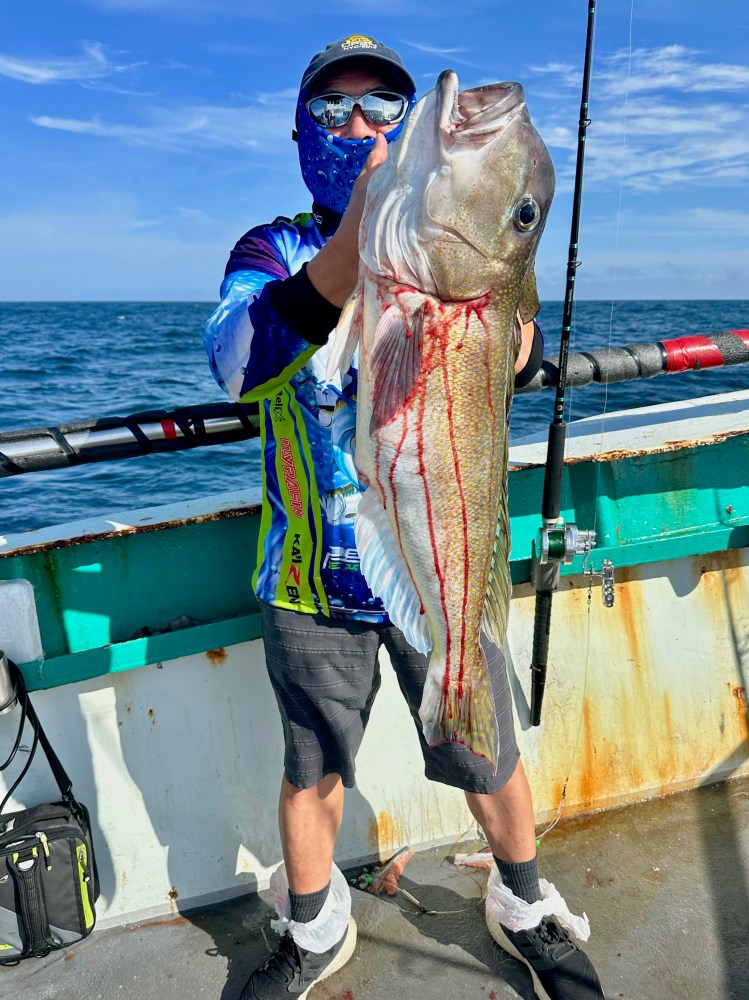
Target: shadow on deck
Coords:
[[665, 884]]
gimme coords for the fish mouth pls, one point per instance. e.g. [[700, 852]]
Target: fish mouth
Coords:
[[482, 111]]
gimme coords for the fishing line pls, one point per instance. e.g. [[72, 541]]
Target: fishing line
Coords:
[[617, 232]]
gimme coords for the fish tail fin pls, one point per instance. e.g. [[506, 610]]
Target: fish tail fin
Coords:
[[449, 713]]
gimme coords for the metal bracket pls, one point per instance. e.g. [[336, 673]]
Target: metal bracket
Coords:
[[607, 579]]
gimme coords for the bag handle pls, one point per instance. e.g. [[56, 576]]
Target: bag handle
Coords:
[[28, 712]]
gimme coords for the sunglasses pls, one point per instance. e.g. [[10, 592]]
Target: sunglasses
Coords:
[[379, 107]]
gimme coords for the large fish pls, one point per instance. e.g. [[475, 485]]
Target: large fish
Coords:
[[447, 243]]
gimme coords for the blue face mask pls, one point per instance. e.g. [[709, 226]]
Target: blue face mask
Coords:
[[331, 164]]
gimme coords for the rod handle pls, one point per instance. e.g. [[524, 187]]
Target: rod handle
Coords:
[[541, 629]]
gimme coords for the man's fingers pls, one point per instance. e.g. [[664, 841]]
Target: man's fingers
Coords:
[[377, 156]]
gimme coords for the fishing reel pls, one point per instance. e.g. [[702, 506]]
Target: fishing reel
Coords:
[[560, 543]]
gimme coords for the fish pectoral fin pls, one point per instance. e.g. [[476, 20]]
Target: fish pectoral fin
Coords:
[[396, 361], [499, 587], [386, 572], [345, 338], [529, 305], [461, 713]]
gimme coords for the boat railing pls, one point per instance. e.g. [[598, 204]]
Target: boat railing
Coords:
[[106, 439]]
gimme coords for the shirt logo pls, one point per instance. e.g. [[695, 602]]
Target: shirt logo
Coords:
[[290, 476], [295, 573]]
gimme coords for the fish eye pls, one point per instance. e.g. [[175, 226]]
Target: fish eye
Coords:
[[527, 215]]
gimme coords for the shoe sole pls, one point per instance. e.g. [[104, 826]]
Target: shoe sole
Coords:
[[497, 932], [347, 950]]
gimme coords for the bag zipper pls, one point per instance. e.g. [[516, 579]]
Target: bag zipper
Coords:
[[85, 880], [44, 841]]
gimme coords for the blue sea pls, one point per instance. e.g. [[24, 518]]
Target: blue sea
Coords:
[[63, 362]]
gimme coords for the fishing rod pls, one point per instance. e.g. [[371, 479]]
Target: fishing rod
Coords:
[[37, 449], [108, 439], [556, 542]]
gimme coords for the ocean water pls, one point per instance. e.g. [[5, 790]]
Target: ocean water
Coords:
[[70, 361]]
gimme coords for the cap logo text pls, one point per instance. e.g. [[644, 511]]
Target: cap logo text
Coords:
[[358, 42]]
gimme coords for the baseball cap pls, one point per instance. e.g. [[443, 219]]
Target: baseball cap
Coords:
[[355, 47]]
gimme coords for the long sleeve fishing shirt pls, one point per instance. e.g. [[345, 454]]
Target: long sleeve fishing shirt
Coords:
[[267, 342]]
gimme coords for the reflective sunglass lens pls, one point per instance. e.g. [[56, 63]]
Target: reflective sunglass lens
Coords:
[[330, 111], [382, 108], [378, 107]]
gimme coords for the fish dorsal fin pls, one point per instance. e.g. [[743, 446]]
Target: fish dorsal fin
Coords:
[[396, 360], [386, 572], [499, 587], [345, 338]]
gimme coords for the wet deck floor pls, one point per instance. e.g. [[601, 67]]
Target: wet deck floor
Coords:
[[665, 885]]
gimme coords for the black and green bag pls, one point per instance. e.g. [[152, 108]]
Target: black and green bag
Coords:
[[48, 878]]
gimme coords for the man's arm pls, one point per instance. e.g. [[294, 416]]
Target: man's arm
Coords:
[[335, 270], [270, 322]]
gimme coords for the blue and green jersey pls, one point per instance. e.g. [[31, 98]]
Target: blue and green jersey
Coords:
[[307, 557]]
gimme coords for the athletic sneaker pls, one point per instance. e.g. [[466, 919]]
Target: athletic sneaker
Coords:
[[560, 970], [292, 972]]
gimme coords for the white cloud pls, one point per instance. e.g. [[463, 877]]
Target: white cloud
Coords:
[[673, 67], [560, 136], [94, 64], [434, 50], [672, 118], [567, 73], [262, 125], [449, 55], [279, 97]]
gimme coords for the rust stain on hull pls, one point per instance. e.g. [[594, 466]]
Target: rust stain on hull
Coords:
[[643, 700], [739, 697], [217, 656], [385, 832]]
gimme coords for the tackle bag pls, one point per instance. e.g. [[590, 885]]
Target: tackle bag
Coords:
[[48, 879]]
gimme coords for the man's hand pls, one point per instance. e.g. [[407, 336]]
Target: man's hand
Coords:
[[335, 269]]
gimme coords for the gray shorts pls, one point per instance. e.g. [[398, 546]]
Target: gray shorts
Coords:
[[325, 674]]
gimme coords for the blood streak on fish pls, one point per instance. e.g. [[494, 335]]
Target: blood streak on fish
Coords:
[[446, 275]]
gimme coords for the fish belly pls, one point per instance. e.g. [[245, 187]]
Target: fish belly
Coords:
[[439, 468]]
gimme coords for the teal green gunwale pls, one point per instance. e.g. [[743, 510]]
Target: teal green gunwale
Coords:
[[116, 602]]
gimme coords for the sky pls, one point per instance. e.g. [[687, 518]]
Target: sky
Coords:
[[142, 138]]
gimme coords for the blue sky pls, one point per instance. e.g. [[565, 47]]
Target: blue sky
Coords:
[[141, 138]]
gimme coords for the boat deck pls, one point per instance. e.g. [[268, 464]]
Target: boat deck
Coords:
[[665, 884]]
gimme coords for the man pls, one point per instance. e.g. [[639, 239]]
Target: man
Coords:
[[284, 287]]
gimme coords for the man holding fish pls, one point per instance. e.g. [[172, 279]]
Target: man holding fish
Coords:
[[419, 253]]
